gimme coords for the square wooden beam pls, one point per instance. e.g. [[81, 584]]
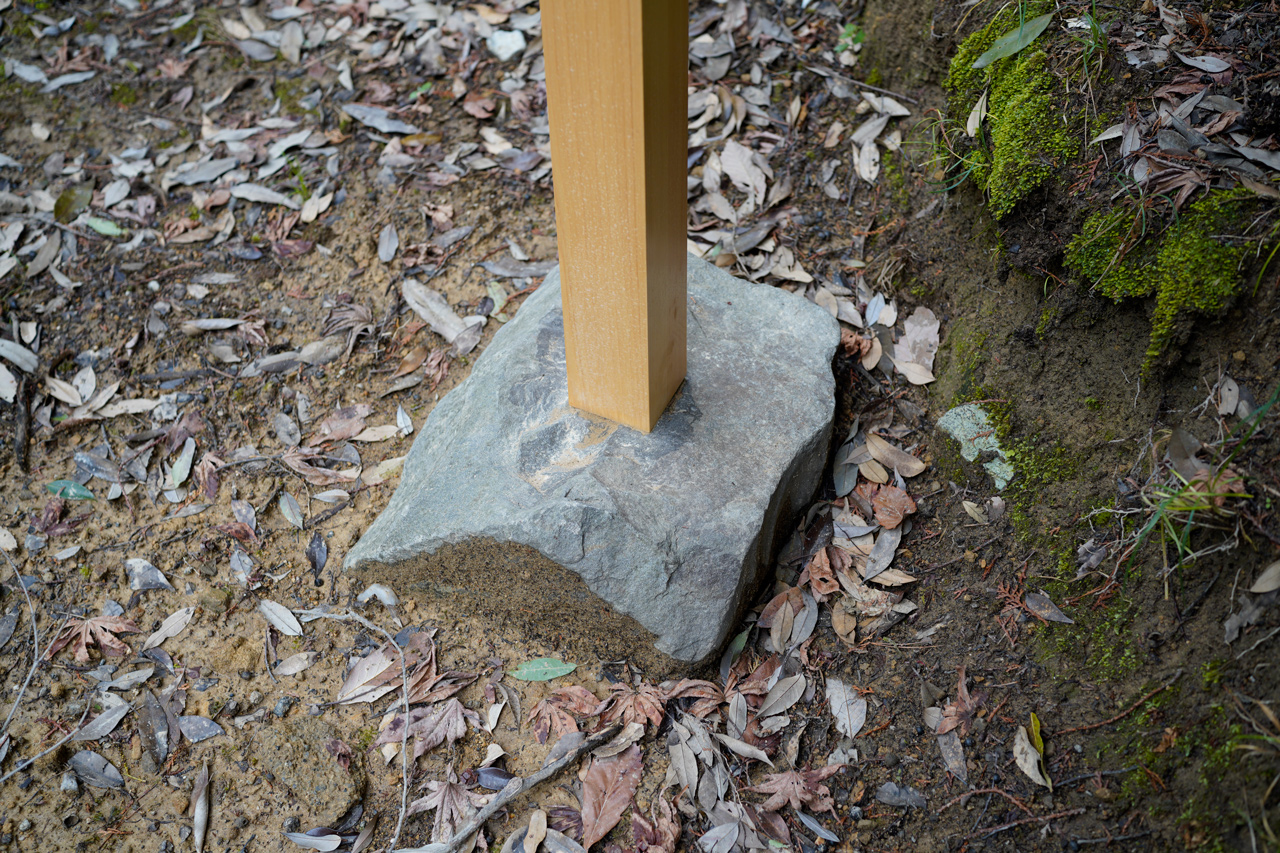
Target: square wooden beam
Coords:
[[617, 72]]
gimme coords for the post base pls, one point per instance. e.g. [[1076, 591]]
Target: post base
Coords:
[[644, 546]]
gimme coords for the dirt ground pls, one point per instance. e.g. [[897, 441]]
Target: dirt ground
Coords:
[[1156, 733]]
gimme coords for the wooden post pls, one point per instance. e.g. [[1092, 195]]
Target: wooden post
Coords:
[[617, 72]]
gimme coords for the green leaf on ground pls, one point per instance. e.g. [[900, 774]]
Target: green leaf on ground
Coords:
[[71, 490], [542, 669], [105, 227], [1014, 41]]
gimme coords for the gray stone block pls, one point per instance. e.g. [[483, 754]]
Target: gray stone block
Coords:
[[517, 506]]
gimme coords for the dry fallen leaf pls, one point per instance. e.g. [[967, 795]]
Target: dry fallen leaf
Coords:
[[891, 505], [99, 630], [607, 789], [556, 713], [799, 788]]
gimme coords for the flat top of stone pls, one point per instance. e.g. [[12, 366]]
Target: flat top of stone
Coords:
[[505, 457]]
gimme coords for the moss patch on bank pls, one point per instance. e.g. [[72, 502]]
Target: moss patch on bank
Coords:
[[1193, 267], [1026, 136]]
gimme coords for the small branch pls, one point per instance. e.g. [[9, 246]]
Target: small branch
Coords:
[[514, 788], [862, 85], [1123, 770], [1002, 827], [1125, 712], [967, 794], [404, 692], [27, 762], [35, 645]]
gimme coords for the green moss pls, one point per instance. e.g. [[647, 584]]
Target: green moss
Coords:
[[896, 178], [1027, 136], [1096, 643], [1192, 267], [291, 92], [875, 77], [124, 94]]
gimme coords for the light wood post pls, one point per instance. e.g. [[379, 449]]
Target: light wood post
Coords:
[[617, 72]]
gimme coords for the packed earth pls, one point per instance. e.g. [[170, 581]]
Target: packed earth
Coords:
[[245, 248]]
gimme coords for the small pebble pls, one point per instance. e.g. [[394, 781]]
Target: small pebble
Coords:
[[255, 697], [24, 826], [891, 760], [69, 783], [292, 824], [246, 674], [282, 707]]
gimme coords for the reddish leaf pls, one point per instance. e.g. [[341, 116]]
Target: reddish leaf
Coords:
[[892, 505], [239, 531], [556, 713], [607, 789], [659, 834], [207, 477], [340, 751], [960, 713], [412, 360], [187, 426], [799, 788], [821, 576], [82, 633], [633, 705]]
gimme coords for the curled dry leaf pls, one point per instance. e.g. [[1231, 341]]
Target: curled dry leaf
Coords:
[[200, 809], [1029, 758], [894, 457]]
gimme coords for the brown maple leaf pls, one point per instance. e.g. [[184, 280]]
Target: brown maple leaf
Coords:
[[99, 630], [556, 713], [960, 713], [632, 705], [452, 802], [706, 695], [172, 69], [799, 788], [352, 318], [430, 726]]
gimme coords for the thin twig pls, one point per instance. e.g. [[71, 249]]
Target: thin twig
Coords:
[[35, 644], [514, 788], [862, 85], [1125, 712], [967, 794], [348, 616], [1002, 827], [1123, 770], [27, 762]]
